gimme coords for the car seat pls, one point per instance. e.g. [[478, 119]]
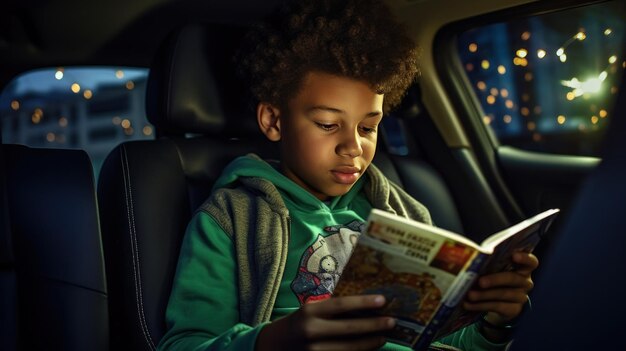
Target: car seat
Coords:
[[148, 190], [52, 284]]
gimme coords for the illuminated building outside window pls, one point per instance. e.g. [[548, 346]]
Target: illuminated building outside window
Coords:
[[93, 109], [549, 82]]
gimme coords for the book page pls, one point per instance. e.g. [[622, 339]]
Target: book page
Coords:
[[527, 226], [523, 237], [414, 269], [401, 227], [424, 271]]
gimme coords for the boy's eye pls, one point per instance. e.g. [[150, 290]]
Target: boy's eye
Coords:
[[368, 130], [326, 127]]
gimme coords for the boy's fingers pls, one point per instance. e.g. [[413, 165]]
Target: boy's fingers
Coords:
[[340, 305], [506, 279], [503, 295], [525, 262]]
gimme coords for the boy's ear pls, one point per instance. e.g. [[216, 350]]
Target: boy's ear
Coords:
[[268, 117]]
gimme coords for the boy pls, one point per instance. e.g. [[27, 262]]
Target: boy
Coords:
[[261, 257]]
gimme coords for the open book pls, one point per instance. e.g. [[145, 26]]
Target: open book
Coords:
[[424, 271]]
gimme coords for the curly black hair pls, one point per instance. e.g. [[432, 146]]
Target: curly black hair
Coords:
[[358, 39]]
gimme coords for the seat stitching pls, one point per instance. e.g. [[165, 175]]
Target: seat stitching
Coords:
[[134, 248]]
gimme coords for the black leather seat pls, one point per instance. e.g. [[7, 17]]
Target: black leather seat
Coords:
[[148, 190], [52, 284]]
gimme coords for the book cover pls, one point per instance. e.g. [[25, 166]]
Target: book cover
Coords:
[[425, 271]]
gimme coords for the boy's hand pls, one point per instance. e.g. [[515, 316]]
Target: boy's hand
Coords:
[[503, 295], [319, 326]]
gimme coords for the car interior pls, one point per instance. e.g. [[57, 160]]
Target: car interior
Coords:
[[87, 257], [600, 197]]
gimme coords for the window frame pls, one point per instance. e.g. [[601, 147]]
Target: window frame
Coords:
[[455, 81]]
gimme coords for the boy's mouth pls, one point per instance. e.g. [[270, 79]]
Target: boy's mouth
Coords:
[[346, 175]]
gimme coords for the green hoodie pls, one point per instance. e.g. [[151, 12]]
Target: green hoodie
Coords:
[[230, 284]]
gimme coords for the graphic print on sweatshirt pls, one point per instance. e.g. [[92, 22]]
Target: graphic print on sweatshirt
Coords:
[[322, 262]]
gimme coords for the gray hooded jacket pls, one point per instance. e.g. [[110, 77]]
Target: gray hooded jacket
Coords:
[[254, 215]]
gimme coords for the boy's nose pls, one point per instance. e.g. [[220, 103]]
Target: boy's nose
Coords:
[[350, 145]]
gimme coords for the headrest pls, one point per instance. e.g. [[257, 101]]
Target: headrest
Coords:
[[411, 105], [193, 87]]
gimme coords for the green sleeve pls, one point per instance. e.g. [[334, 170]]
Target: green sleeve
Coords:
[[470, 338], [203, 309]]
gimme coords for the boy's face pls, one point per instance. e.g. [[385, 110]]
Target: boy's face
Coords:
[[328, 136]]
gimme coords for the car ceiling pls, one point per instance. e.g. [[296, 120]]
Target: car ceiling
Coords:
[[38, 33], [48, 33]]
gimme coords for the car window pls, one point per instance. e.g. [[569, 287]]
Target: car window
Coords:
[[548, 82], [89, 108]]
